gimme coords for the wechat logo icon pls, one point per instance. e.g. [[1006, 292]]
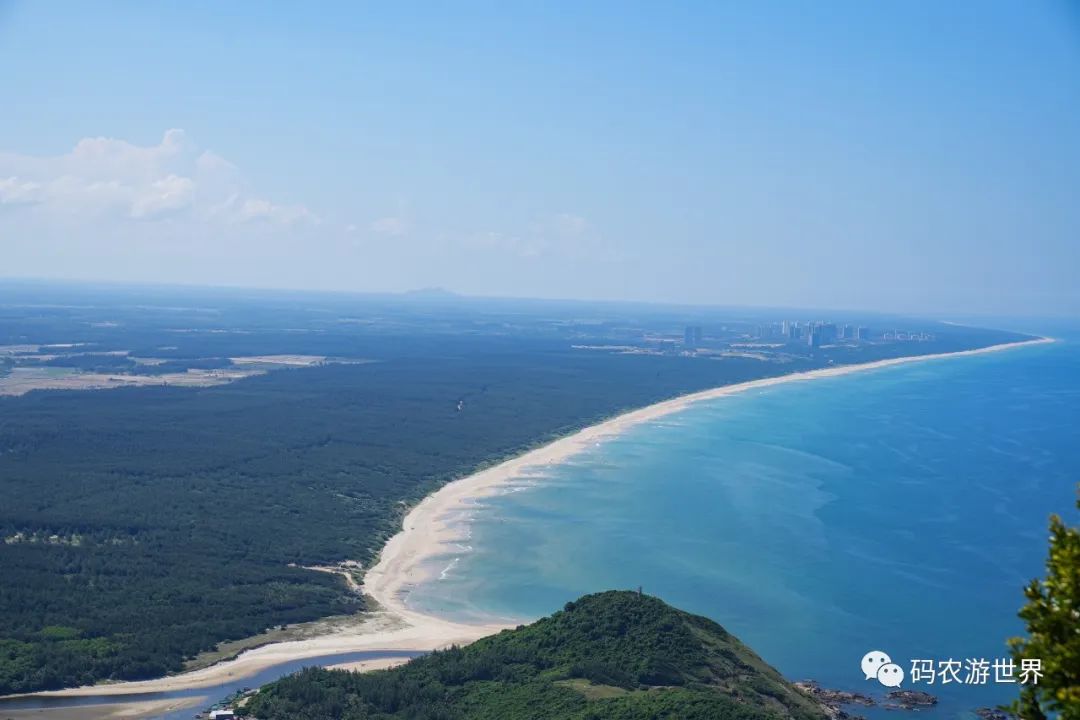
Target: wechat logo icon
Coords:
[[878, 664]]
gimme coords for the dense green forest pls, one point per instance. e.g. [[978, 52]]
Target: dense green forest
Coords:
[[142, 526], [99, 362], [613, 655]]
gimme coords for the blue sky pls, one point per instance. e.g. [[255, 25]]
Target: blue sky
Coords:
[[909, 156]]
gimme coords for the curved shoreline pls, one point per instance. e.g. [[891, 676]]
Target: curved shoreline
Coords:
[[429, 530]]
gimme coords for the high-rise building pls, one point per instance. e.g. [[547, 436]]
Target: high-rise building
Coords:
[[813, 336], [692, 336], [862, 334]]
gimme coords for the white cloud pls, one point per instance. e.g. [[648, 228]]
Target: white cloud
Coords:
[[391, 226], [255, 209], [14, 191], [169, 194], [112, 180], [212, 162], [562, 235], [568, 225]]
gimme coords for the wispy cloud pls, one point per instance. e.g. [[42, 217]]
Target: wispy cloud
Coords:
[[118, 181], [391, 226], [565, 236]]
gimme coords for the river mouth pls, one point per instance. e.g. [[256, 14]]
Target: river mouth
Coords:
[[212, 693]]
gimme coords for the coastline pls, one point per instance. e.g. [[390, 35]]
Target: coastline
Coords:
[[427, 532], [430, 528]]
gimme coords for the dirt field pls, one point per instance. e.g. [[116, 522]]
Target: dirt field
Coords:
[[23, 380]]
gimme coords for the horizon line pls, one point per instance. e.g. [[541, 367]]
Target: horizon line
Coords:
[[443, 295]]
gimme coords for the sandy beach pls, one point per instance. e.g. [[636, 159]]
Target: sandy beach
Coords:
[[384, 630], [431, 528]]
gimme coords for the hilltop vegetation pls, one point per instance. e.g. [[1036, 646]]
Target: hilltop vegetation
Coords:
[[613, 655]]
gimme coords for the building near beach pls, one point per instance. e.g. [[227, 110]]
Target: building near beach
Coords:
[[692, 336]]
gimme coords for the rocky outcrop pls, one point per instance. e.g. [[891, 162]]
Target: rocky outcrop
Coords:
[[909, 700]]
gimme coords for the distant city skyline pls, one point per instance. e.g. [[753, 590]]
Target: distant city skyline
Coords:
[[908, 158]]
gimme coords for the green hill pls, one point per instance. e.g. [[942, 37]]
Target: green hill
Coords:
[[614, 655]]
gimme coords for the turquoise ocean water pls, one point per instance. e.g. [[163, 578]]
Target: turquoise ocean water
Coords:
[[900, 509]]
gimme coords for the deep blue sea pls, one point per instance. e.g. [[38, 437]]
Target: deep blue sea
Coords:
[[900, 509]]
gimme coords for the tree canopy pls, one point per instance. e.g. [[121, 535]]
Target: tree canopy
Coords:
[[615, 655], [1052, 616]]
